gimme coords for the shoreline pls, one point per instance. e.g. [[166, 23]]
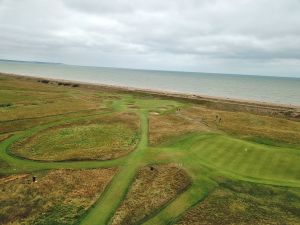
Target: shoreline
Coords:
[[170, 94]]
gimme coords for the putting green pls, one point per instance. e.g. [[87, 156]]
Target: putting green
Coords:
[[243, 158]]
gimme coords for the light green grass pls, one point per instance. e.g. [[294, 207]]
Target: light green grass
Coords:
[[150, 104], [247, 159]]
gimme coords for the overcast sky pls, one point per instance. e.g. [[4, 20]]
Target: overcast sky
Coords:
[[225, 36]]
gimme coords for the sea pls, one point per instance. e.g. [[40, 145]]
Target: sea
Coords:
[[268, 89]]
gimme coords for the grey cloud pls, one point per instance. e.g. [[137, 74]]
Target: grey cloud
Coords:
[[231, 36]]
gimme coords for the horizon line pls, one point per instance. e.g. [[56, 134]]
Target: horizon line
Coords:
[[143, 69]]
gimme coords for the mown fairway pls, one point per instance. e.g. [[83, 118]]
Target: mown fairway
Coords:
[[107, 136]]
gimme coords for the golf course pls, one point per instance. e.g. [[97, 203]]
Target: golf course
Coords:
[[74, 153]]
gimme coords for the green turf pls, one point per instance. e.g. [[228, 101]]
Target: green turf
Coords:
[[242, 158]]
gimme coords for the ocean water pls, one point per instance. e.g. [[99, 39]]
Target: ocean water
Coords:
[[258, 88]]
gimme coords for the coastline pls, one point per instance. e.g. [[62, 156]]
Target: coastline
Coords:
[[176, 95]]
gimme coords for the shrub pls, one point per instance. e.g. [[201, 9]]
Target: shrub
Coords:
[[3, 105]]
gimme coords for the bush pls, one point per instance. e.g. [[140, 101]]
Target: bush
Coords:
[[5, 105], [64, 84], [44, 81]]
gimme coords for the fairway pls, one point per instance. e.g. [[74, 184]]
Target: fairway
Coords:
[[103, 154]]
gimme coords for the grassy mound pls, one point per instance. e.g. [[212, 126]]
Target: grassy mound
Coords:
[[101, 140]]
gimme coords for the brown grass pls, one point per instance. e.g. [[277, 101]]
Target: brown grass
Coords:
[[29, 98], [245, 203], [166, 126], [150, 190], [19, 125], [41, 202], [4, 136], [248, 126]]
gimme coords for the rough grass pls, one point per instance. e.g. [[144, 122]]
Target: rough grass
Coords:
[[4, 136], [152, 188], [263, 129], [58, 197], [236, 202], [34, 104], [103, 138], [23, 124], [164, 127], [29, 99]]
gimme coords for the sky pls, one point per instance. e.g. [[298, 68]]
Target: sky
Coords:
[[259, 37]]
